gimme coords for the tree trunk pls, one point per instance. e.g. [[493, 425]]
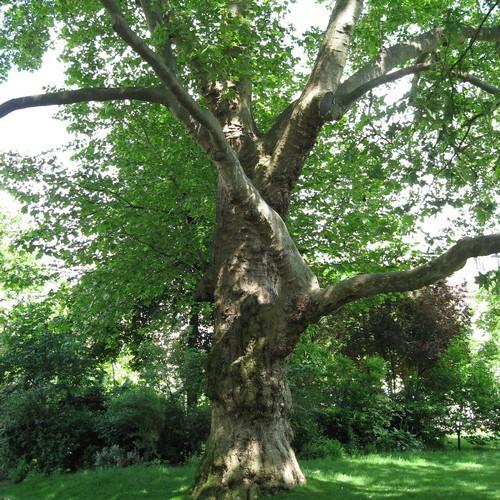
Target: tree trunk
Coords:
[[248, 452]]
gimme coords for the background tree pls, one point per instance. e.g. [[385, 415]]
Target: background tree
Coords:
[[393, 375], [465, 385], [337, 398], [411, 333], [229, 82], [50, 390]]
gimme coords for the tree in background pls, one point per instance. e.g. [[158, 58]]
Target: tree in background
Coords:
[[465, 386], [400, 374], [50, 391], [411, 333], [230, 125]]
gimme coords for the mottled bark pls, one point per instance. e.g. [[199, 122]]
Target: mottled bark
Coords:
[[256, 329], [247, 457]]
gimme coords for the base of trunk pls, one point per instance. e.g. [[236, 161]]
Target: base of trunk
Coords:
[[246, 458]]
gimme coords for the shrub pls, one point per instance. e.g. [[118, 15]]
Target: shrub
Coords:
[[19, 472], [337, 397], [397, 440], [483, 439], [134, 420], [323, 448], [185, 431], [305, 428], [44, 429]]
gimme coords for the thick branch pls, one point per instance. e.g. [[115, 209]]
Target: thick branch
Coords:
[[189, 111], [371, 75], [487, 87], [297, 135], [178, 94], [154, 95], [342, 103], [327, 300], [332, 54], [154, 19]]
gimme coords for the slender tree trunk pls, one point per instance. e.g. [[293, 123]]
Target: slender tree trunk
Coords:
[[248, 452], [192, 390]]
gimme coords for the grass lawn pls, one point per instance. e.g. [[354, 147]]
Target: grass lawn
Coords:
[[472, 473]]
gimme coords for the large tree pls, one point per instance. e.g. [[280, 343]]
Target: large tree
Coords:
[[226, 72]]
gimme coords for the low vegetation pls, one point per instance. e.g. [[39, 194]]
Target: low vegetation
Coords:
[[471, 473]]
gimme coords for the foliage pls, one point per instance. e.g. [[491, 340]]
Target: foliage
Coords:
[[50, 391], [40, 348], [335, 398], [419, 412], [185, 432], [133, 420], [21, 274], [174, 367], [322, 448], [56, 413], [466, 384], [410, 332], [411, 376], [397, 440], [47, 431]]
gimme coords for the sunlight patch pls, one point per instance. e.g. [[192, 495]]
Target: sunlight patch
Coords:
[[344, 478]]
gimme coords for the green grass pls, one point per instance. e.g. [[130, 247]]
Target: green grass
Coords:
[[149, 482], [424, 475], [472, 473]]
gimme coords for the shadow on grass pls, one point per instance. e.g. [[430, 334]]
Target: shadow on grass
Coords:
[[425, 475], [419, 476], [114, 484]]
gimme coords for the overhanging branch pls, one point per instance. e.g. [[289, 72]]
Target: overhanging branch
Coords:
[[487, 87], [327, 300], [153, 95], [343, 102], [372, 74], [178, 94]]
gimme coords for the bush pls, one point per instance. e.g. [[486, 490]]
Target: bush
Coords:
[[338, 398], [134, 420], [185, 431], [323, 448], [483, 439], [397, 440], [18, 473], [305, 428], [51, 392], [45, 430]]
